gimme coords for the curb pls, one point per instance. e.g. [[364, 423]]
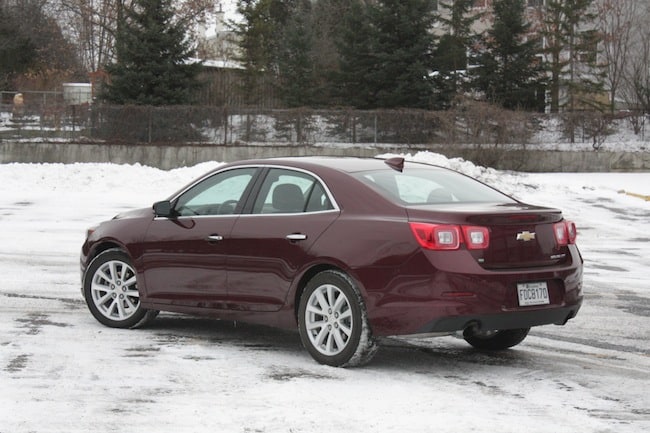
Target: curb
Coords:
[[631, 194]]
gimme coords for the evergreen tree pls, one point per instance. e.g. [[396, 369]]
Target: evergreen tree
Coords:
[[327, 26], [296, 75], [404, 53], [357, 58], [453, 54], [386, 54], [17, 51], [152, 58], [571, 53], [260, 33], [510, 73], [34, 53]]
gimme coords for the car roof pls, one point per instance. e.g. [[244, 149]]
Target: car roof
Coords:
[[345, 164]]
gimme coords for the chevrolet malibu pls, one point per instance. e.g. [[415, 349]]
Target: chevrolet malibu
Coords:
[[345, 250]]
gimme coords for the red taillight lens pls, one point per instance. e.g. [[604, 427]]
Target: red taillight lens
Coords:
[[572, 231], [565, 233], [436, 236], [448, 237], [476, 238]]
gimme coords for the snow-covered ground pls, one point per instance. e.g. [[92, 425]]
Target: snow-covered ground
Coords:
[[61, 371]]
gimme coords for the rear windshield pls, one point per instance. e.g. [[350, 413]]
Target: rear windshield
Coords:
[[417, 186]]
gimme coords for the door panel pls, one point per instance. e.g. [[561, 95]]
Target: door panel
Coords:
[[184, 255], [183, 265], [262, 260], [269, 246]]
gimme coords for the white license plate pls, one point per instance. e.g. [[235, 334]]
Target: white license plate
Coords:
[[533, 294]]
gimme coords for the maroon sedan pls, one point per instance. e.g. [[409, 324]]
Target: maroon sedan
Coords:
[[347, 250]]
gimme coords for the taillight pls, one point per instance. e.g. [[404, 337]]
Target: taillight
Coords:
[[476, 238], [565, 233], [449, 237], [436, 236]]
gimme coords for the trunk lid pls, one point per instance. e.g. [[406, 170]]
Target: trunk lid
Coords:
[[521, 235]]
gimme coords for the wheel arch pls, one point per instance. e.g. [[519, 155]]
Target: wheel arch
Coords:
[[311, 273], [96, 249], [100, 247]]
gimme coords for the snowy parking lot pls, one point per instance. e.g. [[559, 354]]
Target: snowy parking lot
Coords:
[[61, 371]]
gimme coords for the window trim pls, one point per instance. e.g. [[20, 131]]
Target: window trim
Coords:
[[247, 210], [250, 194], [245, 195]]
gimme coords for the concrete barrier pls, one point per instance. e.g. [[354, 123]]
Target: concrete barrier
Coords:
[[171, 156]]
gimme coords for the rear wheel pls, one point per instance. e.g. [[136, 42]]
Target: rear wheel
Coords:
[[111, 291], [495, 340], [333, 322]]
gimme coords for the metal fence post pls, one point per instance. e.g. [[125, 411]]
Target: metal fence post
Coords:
[[150, 126], [375, 128]]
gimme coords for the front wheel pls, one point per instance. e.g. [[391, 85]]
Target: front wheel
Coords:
[[333, 322], [111, 291], [495, 340]]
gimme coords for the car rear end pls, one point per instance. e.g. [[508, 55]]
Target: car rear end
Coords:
[[500, 269], [483, 261]]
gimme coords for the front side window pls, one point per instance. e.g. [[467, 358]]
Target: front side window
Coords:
[[289, 191], [217, 195]]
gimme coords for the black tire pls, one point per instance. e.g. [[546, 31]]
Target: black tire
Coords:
[[333, 322], [495, 340], [111, 291]]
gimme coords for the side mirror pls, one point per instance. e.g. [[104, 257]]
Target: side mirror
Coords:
[[163, 209]]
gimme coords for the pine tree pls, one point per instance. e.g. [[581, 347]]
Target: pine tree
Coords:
[[357, 59], [296, 75], [571, 53], [152, 58], [404, 49], [510, 73], [386, 54], [453, 53], [327, 26], [260, 34], [17, 51]]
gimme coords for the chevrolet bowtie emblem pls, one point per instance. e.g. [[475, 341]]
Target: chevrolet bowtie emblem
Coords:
[[525, 236]]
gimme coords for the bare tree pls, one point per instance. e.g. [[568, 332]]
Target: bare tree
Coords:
[[37, 54], [635, 88], [92, 24], [616, 25]]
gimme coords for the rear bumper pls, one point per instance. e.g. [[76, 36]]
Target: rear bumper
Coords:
[[506, 320], [457, 293]]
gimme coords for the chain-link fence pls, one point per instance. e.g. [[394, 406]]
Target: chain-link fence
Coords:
[[50, 116], [223, 126], [41, 116]]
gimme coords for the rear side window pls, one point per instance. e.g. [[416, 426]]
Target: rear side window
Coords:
[[289, 191], [416, 186]]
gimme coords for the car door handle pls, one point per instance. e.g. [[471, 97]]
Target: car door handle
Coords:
[[294, 237], [214, 238]]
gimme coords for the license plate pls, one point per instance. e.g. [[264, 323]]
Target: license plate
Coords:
[[533, 294]]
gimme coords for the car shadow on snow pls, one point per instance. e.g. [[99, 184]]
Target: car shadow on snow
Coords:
[[434, 354], [170, 329]]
